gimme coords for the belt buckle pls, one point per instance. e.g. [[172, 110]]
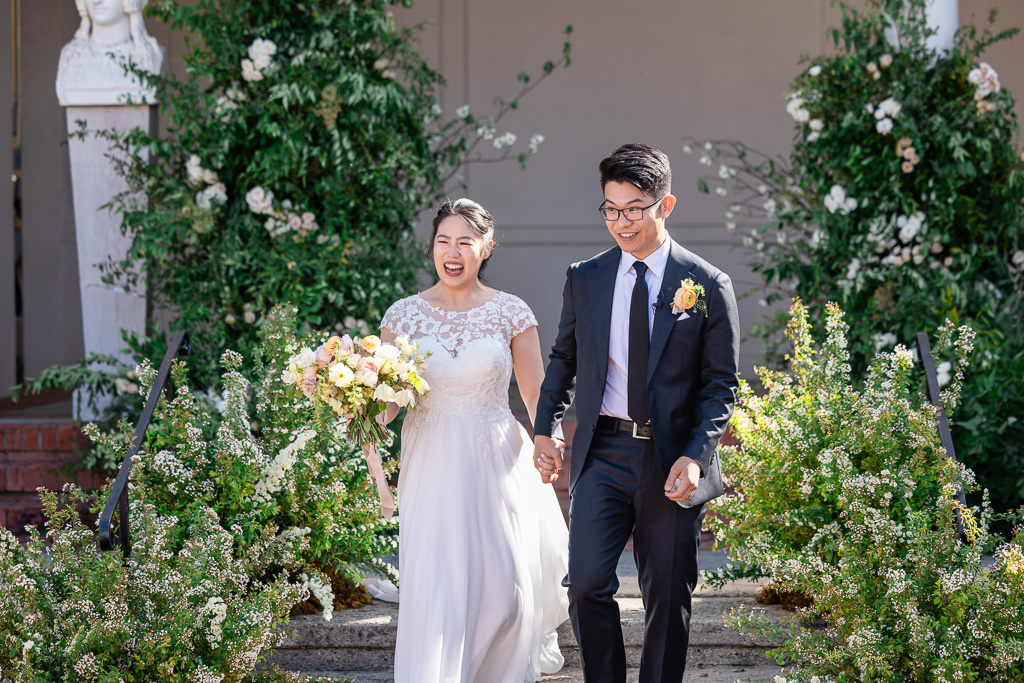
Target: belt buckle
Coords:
[[639, 436]]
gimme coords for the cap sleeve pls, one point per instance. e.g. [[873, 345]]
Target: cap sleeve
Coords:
[[519, 317], [395, 318]]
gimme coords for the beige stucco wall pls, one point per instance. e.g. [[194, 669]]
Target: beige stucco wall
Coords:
[[704, 69], [707, 69]]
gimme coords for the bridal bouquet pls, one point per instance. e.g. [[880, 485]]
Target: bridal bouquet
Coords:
[[358, 378]]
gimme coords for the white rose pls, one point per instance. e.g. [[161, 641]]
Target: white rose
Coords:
[[816, 124], [387, 352], [1018, 258], [367, 377], [260, 201], [249, 71], [884, 126], [194, 170], [815, 70], [305, 358], [261, 62]]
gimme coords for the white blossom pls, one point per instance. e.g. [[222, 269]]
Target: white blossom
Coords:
[[837, 201], [815, 70], [1018, 257], [795, 108], [462, 112], [985, 79], [260, 201], [943, 372], [884, 126], [535, 142]]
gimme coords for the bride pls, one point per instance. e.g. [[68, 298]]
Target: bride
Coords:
[[482, 542]]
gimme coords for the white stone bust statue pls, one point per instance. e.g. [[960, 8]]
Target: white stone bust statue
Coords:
[[91, 68]]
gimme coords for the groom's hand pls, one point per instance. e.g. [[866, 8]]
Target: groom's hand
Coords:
[[687, 471], [547, 457]]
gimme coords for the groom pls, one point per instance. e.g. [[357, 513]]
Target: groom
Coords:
[[653, 369]]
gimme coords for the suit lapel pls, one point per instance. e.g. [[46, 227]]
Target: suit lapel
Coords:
[[676, 270], [601, 291]]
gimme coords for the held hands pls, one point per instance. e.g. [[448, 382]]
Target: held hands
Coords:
[[547, 457], [686, 472]]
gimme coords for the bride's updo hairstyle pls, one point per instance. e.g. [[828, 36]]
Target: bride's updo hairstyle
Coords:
[[476, 217]]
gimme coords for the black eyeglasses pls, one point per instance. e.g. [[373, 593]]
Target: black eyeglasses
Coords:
[[633, 213]]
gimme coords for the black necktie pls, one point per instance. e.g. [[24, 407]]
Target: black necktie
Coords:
[[639, 348]]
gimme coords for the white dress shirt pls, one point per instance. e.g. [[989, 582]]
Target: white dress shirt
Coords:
[[616, 386]]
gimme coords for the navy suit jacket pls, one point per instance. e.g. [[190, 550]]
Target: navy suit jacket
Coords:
[[692, 376]]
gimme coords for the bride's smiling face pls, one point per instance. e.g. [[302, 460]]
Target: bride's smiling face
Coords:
[[458, 252]]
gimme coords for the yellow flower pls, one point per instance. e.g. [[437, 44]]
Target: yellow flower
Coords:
[[371, 343]]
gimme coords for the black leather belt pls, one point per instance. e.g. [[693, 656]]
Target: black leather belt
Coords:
[[614, 424]]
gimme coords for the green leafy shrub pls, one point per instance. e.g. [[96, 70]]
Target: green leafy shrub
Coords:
[[902, 200], [847, 497], [185, 608], [301, 481]]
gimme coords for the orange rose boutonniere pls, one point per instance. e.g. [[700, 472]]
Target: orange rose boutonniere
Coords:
[[687, 297]]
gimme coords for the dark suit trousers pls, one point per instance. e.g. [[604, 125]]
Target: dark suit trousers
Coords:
[[621, 490]]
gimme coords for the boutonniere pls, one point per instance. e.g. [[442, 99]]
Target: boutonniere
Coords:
[[687, 297]]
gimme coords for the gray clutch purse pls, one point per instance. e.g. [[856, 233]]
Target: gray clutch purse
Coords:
[[709, 487]]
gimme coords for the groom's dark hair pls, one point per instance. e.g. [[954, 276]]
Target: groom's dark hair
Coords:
[[642, 166]]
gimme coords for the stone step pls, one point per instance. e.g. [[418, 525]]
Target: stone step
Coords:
[[711, 674], [364, 639]]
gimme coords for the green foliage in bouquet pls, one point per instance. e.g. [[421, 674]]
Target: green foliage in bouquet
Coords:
[[847, 497], [301, 481], [902, 200], [185, 608]]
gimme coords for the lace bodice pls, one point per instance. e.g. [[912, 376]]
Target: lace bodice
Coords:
[[470, 361]]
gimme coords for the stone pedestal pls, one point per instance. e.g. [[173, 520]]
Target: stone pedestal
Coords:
[[106, 309]]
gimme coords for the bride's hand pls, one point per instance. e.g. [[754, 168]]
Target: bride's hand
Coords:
[[548, 455], [388, 415]]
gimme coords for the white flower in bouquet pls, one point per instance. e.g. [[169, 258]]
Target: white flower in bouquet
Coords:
[[387, 352], [340, 375], [406, 398], [384, 393], [305, 358]]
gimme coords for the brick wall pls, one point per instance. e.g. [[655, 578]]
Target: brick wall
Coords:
[[34, 455]]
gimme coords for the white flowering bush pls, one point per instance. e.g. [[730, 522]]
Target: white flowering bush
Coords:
[[185, 608], [846, 496], [301, 481], [902, 200]]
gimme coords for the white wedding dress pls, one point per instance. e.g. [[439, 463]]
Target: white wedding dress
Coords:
[[483, 546]]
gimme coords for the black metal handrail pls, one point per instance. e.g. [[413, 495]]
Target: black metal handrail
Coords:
[[118, 498], [924, 348]]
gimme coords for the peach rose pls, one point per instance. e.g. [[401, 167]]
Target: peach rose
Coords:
[[371, 343], [370, 364], [685, 297]]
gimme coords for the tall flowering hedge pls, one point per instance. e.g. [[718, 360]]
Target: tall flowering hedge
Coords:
[[185, 608], [903, 201], [846, 495], [303, 142]]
